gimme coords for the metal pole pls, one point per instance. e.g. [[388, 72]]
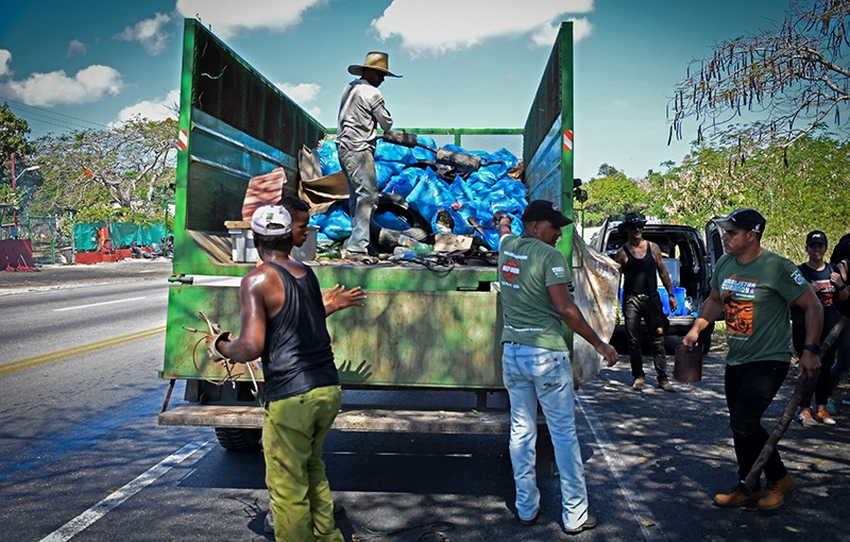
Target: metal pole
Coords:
[[51, 219], [73, 238], [14, 196]]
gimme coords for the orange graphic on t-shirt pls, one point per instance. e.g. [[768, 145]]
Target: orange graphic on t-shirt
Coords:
[[510, 270], [739, 315]]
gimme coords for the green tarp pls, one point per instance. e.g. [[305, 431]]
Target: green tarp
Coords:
[[121, 235]]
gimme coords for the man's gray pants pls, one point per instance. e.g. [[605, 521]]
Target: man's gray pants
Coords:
[[359, 170]]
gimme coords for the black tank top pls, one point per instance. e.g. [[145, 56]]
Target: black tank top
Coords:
[[297, 356], [639, 275]]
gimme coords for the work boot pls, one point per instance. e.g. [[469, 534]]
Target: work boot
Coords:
[[739, 496], [775, 493]]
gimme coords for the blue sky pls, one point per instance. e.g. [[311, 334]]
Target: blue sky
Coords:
[[466, 63]]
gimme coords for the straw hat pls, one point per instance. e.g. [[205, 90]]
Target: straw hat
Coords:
[[377, 61]]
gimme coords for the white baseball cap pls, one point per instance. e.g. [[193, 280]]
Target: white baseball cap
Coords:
[[271, 221]]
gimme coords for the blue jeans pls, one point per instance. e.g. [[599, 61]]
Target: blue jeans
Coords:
[[535, 374], [359, 170], [750, 387]]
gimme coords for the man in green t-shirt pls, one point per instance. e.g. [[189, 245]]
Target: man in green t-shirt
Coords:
[[755, 287], [533, 278]]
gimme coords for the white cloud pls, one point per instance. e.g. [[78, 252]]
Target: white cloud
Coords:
[[545, 35], [153, 110], [440, 26], [57, 88], [76, 47], [303, 94], [227, 21], [5, 61], [149, 32]]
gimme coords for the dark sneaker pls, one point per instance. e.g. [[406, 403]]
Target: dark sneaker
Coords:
[[588, 524], [739, 496], [775, 493], [639, 384], [666, 385], [531, 521]]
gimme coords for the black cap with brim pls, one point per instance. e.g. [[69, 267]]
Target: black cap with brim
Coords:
[[743, 219], [545, 210]]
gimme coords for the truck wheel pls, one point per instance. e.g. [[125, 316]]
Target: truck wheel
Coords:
[[238, 439]]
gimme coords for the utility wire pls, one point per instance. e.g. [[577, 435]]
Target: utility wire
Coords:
[[55, 117]]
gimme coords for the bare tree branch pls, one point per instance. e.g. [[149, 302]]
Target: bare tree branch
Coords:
[[795, 76]]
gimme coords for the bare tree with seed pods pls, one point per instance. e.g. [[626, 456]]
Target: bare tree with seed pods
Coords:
[[793, 78]]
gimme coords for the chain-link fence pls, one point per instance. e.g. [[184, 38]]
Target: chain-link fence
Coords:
[[49, 235], [55, 239]]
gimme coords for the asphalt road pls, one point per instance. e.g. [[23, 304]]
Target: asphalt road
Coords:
[[79, 437]]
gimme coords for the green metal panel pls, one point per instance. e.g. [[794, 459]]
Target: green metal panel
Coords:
[[400, 338]]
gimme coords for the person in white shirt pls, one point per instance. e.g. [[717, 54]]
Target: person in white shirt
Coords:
[[361, 110]]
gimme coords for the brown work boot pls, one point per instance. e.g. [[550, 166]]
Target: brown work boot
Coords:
[[739, 496], [775, 493]]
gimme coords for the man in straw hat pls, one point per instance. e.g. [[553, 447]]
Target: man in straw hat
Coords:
[[360, 111]]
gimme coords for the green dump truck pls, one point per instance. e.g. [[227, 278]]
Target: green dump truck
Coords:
[[420, 330]]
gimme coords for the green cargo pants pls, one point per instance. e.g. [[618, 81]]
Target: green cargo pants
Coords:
[[294, 430]]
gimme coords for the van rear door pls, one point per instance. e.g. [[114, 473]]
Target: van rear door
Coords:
[[713, 245]]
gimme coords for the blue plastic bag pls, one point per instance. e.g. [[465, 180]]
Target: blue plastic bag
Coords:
[[390, 152], [430, 195], [421, 153], [334, 223], [385, 171], [404, 183], [329, 157]]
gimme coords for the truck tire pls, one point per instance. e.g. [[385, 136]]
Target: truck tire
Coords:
[[418, 229], [238, 439]]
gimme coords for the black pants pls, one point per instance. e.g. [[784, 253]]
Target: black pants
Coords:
[[649, 309], [750, 388]]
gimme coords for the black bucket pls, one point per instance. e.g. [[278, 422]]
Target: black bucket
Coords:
[[688, 365]]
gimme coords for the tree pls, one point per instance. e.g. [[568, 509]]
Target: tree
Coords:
[[128, 167], [796, 77], [612, 194], [798, 187], [13, 139]]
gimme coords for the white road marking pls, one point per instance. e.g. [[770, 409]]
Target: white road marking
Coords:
[[76, 525], [640, 510], [98, 304]]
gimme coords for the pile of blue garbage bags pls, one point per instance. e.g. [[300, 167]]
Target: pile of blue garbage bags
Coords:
[[409, 173]]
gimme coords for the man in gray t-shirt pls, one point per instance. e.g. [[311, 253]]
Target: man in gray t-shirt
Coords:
[[361, 110]]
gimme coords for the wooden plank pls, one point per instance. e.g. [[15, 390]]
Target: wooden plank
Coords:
[[351, 419]]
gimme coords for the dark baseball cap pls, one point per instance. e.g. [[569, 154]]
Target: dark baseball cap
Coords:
[[743, 219], [816, 236], [540, 209]]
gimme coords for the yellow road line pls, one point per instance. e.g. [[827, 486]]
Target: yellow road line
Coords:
[[10, 366]]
